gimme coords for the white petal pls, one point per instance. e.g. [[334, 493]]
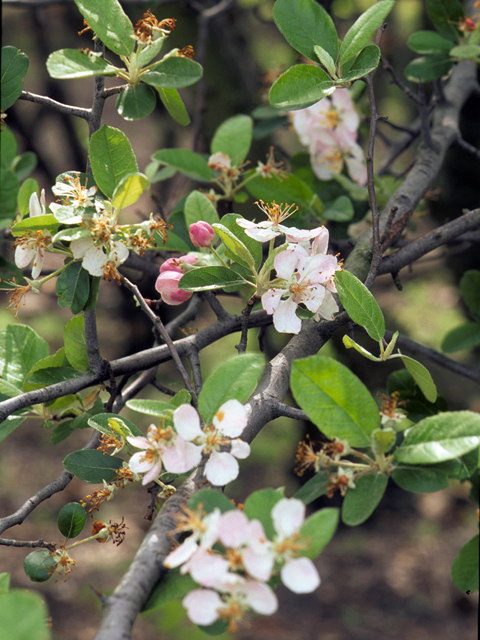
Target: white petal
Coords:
[[207, 568], [258, 565], [80, 247], [94, 261], [233, 528], [288, 516], [300, 575], [260, 597], [139, 441], [240, 449], [138, 463], [182, 553], [181, 456], [285, 263], [24, 254], [285, 319], [38, 262], [262, 235], [231, 418], [34, 206], [202, 606], [271, 299], [221, 468], [327, 308], [119, 253], [187, 422], [154, 472]]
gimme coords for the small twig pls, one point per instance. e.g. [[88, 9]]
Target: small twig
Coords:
[[469, 148], [215, 305], [425, 124], [158, 385], [396, 80], [196, 370], [67, 109], [31, 544], [242, 346], [282, 409], [437, 358], [95, 361]]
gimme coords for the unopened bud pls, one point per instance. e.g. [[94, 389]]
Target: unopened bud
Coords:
[[201, 234]]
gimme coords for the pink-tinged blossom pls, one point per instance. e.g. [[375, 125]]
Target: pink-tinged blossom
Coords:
[[271, 228], [304, 278], [201, 234], [330, 155], [167, 287], [32, 248], [178, 264], [205, 606], [204, 534], [228, 423], [73, 192]]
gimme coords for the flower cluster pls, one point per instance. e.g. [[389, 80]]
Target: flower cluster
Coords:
[[329, 130], [305, 273], [180, 448], [232, 559]]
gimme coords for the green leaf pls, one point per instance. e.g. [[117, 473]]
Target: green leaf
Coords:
[[470, 290], [72, 520], [349, 344], [109, 22], [466, 336], [172, 586], [465, 566], [10, 424], [4, 583], [319, 529], [304, 24], [444, 14], [289, 189], [359, 503], [206, 278], [426, 42], [187, 162], [111, 423], [182, 397], [151, 407], [313, 488], [422, 377], [8, 201], [325, 59], [234, 138], [360, 305], [73, 287], [50, 375], [20, 349], [439, 438], [300, 86], [24, 616], [75, 344], [341, 210], [173, 72], [427, 69], [77, 63], [259, 505], [173, 103], [254, 247], [129, 190], [14, 67], [199, 207], [334, 399], [367, 60], [466, 52], [235, 246], [24, 165], [38, 566], [111, 157], [363, 29], [136, 102], [209, 499], [424, 479], [9, 148], [37, 223], [91, 465], [236, 379]]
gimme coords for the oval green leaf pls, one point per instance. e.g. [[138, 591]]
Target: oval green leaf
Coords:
[[428, 68], [129, 190], [199, 207], [109, 22], [299, 87], [206, 278], [151, 407], [173, 103], [466, 336], [187, 162], [439, 438], [470, 290], [319, 529], [14, 67], [73, 287], [111, 158], [233, 138], [173, 72], [77, 63], [426, 42], [360, 305], [465, 566], [136, 102], [72, 520], [422, 377], [39, 565], [91, 465], [359, 503], [334, 399]]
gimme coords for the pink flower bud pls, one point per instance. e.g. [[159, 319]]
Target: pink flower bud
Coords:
[[175, 264], [201, 234], [167, 286]]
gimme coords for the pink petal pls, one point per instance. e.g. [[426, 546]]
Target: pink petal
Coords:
[[328, 307], [231, 418], [285, 263], [288, 516], [202, 606], [300, 575], [24, 254], [260, 597], [258, 565], [153, 473], [240, 449], [221, 468], [207, 568], [271, 299], [139, 441], [181, 456], [187, 422], [233, 528], [182, 553]]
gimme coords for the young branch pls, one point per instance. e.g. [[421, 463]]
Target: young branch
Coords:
[[30, 544]]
